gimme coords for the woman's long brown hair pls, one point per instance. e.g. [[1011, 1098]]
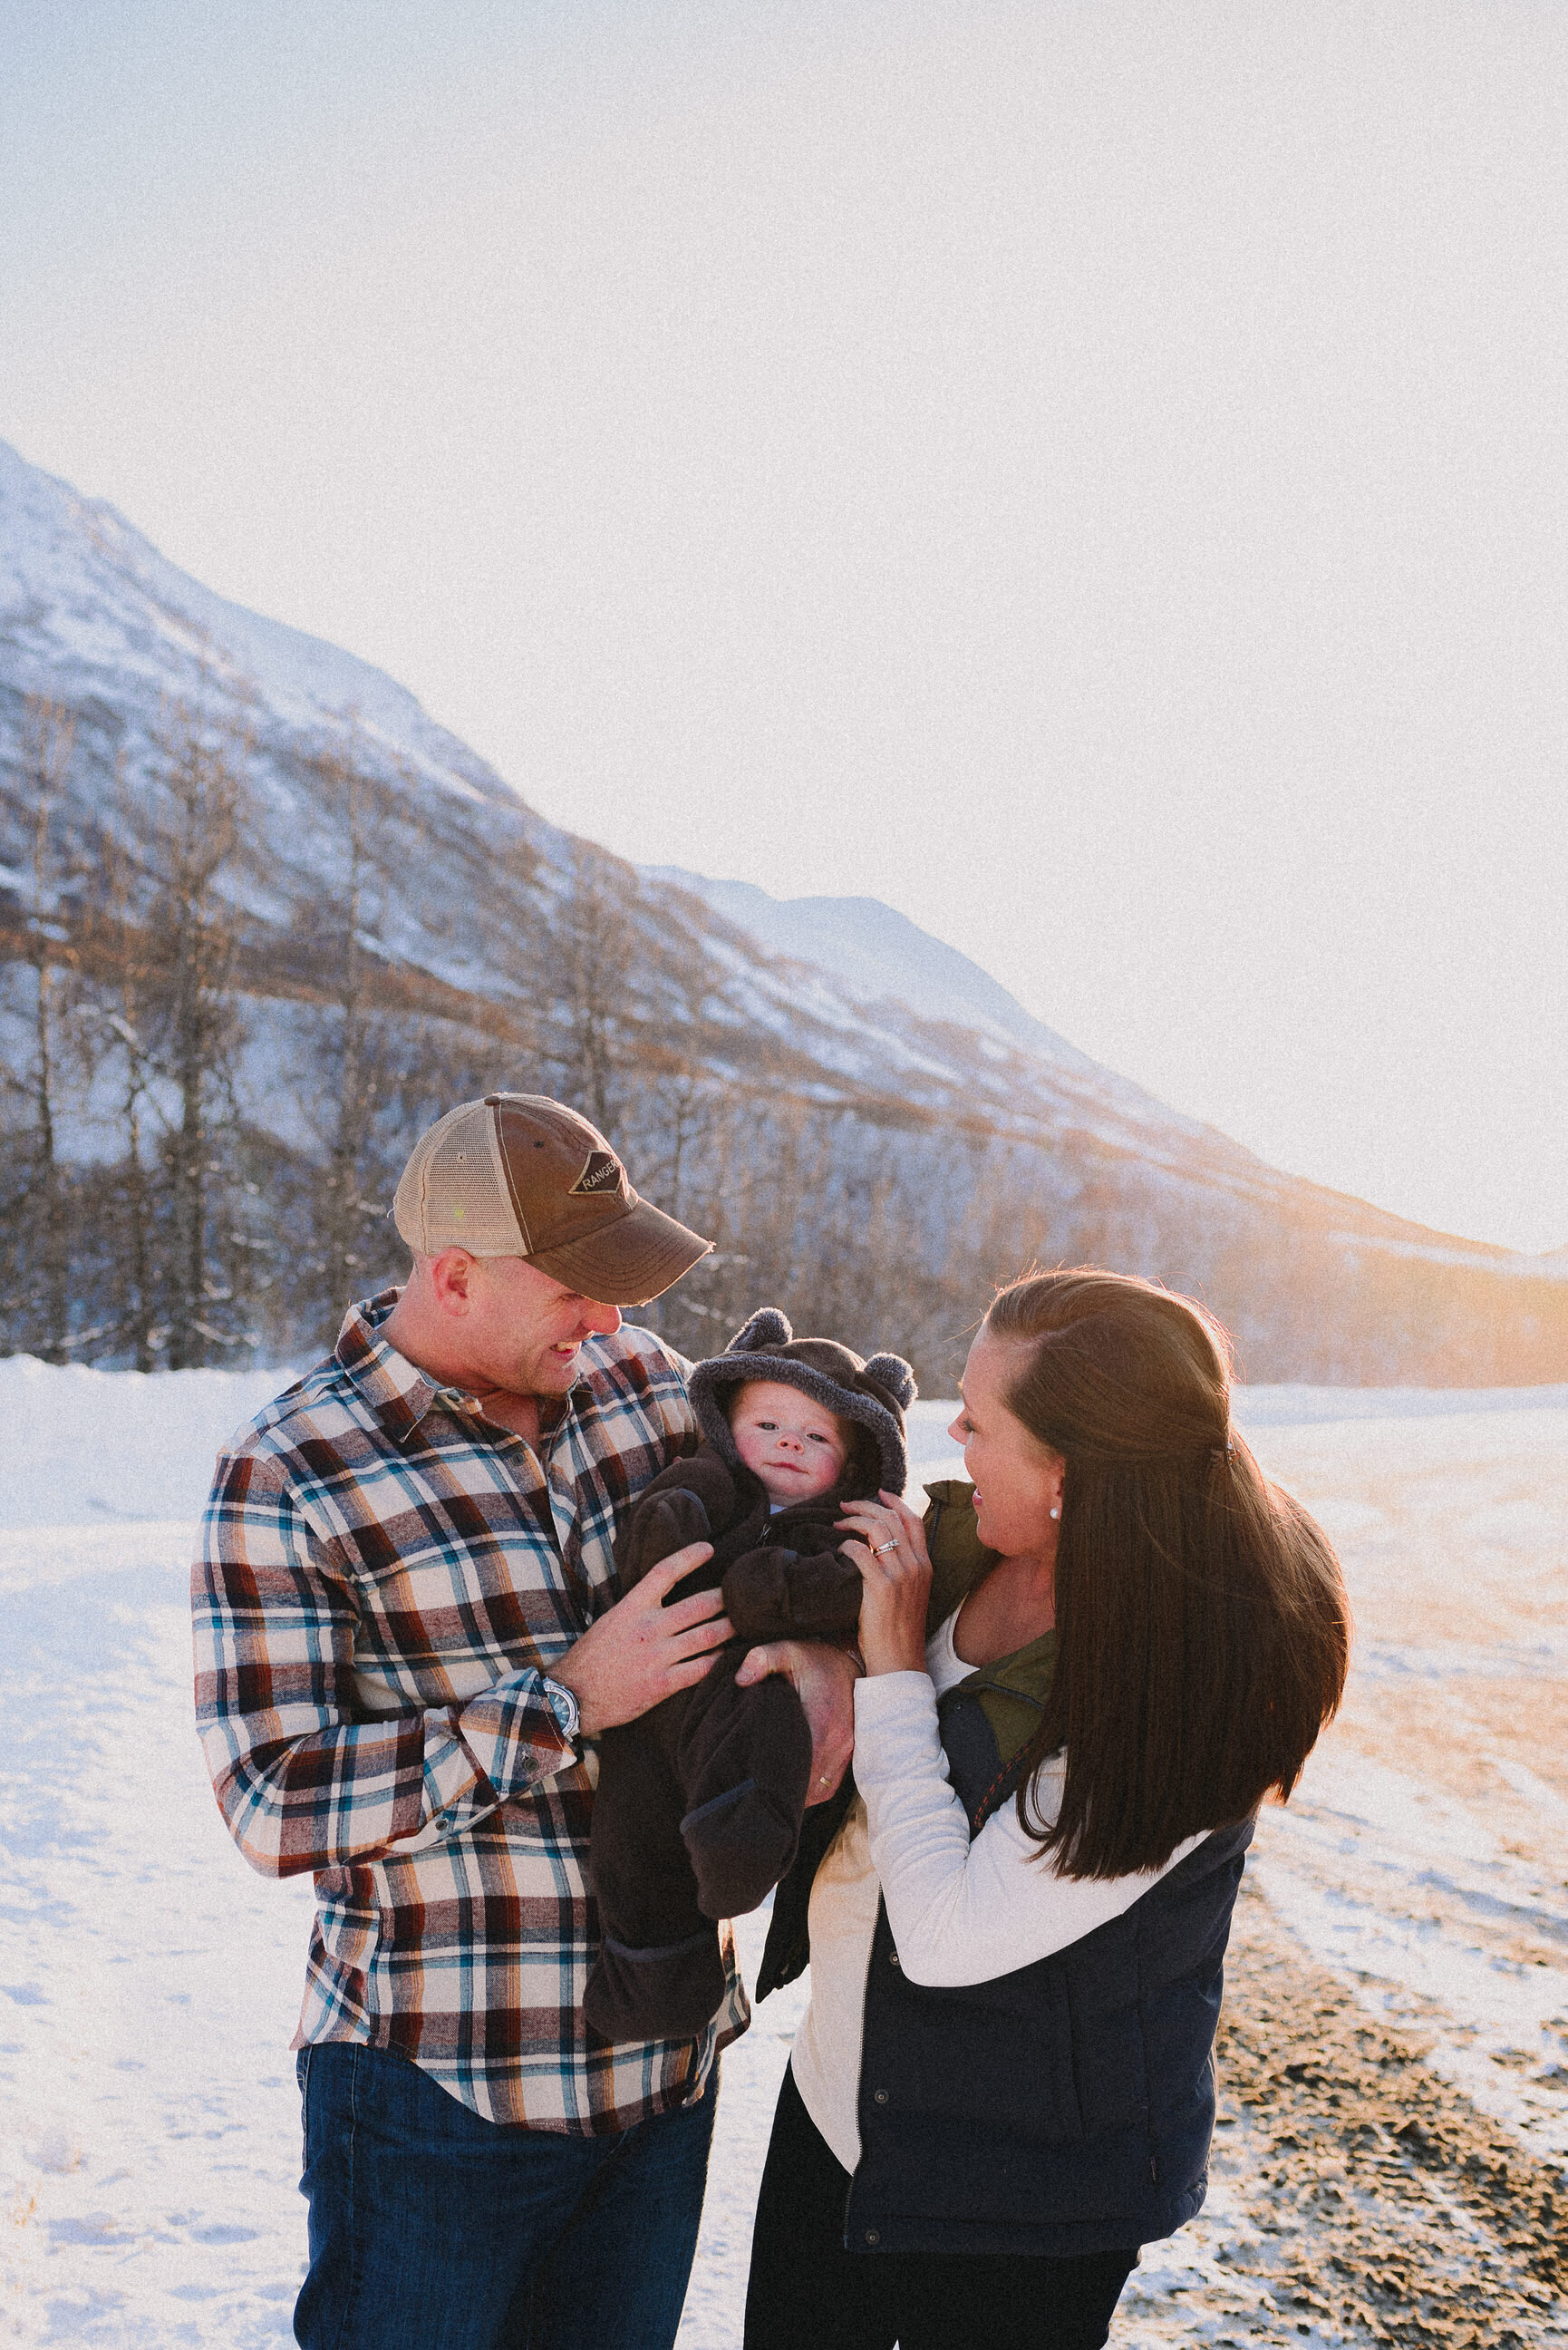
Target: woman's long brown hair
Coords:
[[1202, 1628]]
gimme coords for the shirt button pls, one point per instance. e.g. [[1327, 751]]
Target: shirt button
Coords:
[[878, 2096], [872, 2237]]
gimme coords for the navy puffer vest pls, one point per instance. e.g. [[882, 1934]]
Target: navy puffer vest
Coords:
[[1066, 2107]]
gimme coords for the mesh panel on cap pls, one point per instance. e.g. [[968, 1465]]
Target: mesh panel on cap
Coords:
[[466, 1206]]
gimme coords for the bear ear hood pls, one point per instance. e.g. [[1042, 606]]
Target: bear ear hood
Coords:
[[875, 1394]]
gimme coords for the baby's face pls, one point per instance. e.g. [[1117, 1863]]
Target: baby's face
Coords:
[[796, 1447]]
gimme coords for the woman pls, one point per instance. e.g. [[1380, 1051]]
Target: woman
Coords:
[[1083, 1676]]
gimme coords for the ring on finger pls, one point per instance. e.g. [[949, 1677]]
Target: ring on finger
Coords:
[[879, 1550]]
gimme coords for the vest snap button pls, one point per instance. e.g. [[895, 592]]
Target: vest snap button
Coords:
[[878, 2096], [872, 2237], [892, 1958]]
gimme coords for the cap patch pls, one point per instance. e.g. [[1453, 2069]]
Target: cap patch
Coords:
[[602, 1173]]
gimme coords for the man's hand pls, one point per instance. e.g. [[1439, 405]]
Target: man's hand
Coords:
[[639, 1651], [824, 1680]]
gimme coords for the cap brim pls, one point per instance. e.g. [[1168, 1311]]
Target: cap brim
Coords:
[[627, 1263]]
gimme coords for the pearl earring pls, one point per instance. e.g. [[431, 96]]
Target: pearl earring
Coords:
[[1056, 1510]]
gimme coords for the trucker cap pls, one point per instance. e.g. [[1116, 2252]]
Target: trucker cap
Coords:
[[518, 1175]]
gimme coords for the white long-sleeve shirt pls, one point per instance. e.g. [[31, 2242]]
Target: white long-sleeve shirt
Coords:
[[961, 1911]]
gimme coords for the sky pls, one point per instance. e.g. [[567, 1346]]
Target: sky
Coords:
[[1092, 476]]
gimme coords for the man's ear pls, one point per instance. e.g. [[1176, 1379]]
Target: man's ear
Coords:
[[454, 1274]]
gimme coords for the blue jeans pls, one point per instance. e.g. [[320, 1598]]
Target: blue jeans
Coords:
[[431, 2228]]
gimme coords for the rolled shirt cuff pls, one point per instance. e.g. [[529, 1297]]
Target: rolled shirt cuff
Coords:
[[511, 1731]]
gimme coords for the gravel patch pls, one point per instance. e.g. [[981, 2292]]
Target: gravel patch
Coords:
[[1355, 2196]]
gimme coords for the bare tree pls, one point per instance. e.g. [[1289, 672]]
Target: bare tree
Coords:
[[594, 940], [194, 928], [674, 1114], [517, 945], [125, 996], [48, 950], [355, 1079]]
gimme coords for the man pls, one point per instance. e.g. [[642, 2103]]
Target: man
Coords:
[[405, 1627]]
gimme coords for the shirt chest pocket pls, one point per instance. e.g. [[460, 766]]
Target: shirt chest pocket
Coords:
[[474, 1611]]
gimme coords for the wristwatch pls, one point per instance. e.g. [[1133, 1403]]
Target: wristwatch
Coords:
[[564, 1706]]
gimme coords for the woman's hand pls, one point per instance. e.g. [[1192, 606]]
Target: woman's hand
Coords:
[[889, 1550]]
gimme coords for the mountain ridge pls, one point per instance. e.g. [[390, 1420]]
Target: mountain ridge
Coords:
[[494, 928], [49, 624]]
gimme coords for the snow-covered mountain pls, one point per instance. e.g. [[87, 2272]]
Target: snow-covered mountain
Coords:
[[90, 610], [885, 963], [880, 955], [92, 615], [840, 1004]]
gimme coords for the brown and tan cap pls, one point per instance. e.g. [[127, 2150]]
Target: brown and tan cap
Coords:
[[518, 1175]]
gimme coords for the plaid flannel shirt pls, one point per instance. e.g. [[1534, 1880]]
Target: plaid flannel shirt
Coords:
[[386, 1577]]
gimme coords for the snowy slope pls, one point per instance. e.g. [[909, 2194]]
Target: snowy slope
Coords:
[[154, 1437], [843, 1001], [88, 608], [894, 1001], [878, 953], [92, 615], [149, 1982], [885, 969]]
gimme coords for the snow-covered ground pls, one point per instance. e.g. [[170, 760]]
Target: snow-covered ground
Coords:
[[149, 1982]]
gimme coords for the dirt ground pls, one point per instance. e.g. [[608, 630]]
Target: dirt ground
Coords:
[[1356, 2197]]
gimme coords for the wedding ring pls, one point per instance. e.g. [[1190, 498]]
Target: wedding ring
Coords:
[[877, 1549]]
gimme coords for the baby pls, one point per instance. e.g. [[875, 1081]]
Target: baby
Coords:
[[700, 1801]]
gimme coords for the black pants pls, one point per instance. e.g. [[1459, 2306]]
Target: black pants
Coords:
[[805, 2288]]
